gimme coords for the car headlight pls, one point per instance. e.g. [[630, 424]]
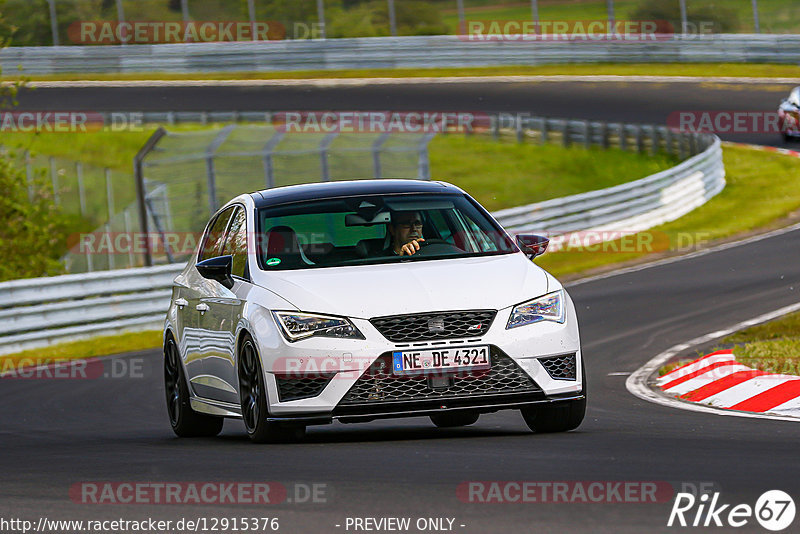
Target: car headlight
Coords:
[[547, 308], [296, 326]]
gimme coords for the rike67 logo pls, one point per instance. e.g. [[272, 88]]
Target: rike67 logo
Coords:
[[774, 510]]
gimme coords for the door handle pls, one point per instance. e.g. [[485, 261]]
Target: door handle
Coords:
[[180, 303], [202, 308]]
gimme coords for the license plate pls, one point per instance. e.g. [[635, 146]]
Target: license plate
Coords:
[[451, 358]]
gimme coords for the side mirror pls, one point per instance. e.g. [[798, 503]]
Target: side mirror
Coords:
[[532, 245], [218, 269]]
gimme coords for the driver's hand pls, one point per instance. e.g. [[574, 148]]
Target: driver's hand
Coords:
[[411, 248]]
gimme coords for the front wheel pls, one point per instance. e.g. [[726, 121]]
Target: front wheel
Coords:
[[185, 421], [560, 417], [253, 395], [557, 417]]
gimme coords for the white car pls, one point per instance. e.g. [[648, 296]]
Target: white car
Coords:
[[297, 310]]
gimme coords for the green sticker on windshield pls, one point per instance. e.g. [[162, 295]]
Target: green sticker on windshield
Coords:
[[273, 261]]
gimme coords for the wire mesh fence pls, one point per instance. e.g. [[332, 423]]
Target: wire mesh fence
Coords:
[[196, 172]]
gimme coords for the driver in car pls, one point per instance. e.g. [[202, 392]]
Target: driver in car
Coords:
[[405, 230]]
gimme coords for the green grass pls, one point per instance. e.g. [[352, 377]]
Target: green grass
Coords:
[[503, 174], [762, 192], [609, 69], [773, 347], [98, 346]]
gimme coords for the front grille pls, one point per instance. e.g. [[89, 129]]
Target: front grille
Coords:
[[560, 367], [438, 325], [301, 387], [378, 385]]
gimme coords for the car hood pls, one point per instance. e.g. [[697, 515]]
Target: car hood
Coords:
[[490, 282]]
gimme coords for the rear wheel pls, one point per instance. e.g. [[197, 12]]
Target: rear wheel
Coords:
[[448, 420], [185, 421], [253, 395]]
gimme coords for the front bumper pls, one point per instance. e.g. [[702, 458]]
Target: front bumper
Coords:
[[338, 364]]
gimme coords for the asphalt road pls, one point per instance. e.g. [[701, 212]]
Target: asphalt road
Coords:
[[634, 102], [56, 433]]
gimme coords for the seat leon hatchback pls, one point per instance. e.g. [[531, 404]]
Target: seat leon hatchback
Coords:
[[361, 300]]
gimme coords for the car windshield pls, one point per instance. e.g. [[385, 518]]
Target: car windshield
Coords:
[[366, 230]]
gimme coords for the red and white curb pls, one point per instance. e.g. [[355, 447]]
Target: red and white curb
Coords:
[[639, 383], [717, 379], [764, 148]]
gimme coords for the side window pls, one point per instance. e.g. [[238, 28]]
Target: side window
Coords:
[[236, 243], [212, 242]]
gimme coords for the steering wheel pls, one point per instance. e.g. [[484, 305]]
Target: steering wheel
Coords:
[[435, 246]]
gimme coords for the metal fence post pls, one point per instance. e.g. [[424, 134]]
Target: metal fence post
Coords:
[[668, 141], [392, 19], [111, 264], [109, 194], [639, 138], [120, 19], [424, 165], [654, 141], [81, 190], [54, 179], [684, 22], [376, 153], [587, 134], [756, 25], [53, 21], [129, 232], [269, 168], [604, 140], [141, 191], [29, 174], [211, 151], [324, 145]]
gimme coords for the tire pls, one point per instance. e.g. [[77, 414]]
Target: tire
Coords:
[[184, 420], [557, 417], [449, 420], [253, 395]]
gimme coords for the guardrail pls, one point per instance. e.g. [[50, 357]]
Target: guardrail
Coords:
[[397, 52], [37, 312], [630, 207]]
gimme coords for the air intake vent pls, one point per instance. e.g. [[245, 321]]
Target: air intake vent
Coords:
[[301, 387], [560, 367], [439, 325]]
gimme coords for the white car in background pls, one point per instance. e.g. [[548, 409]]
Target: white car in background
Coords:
[[294, 311]]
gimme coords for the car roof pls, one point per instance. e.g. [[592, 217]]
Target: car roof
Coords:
[[317, 191]]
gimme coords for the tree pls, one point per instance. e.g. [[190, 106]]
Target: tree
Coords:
[[28, 21], [667, 12], [31, 230]]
